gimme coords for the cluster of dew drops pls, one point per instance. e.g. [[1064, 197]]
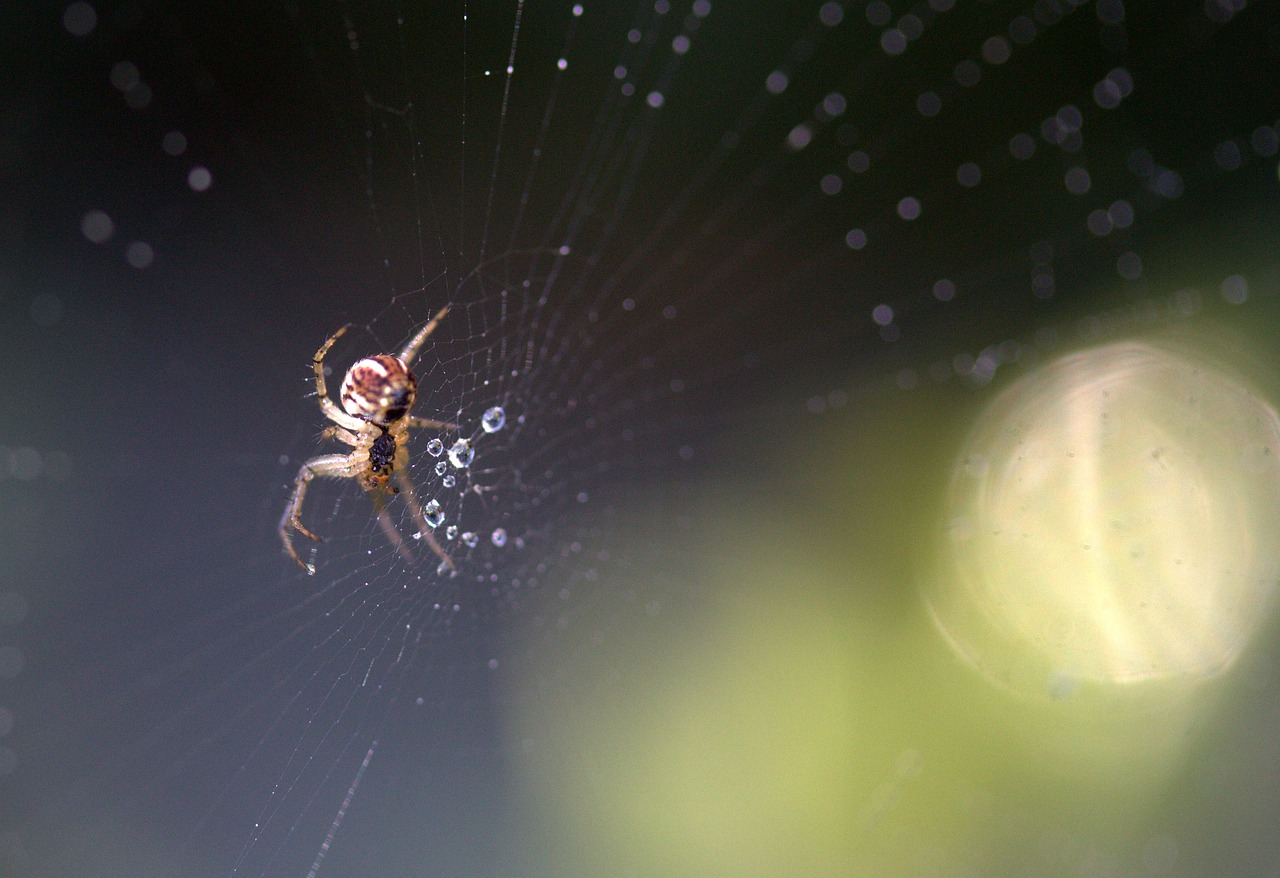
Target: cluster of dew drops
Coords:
[[460, 455]]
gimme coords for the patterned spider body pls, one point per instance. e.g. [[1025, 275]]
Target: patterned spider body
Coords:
[[379, 389], [377, 394]]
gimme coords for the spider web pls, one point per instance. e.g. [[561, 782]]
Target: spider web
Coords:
[[671, 235]]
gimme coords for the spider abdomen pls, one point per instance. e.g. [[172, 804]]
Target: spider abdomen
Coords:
[[379, 389]]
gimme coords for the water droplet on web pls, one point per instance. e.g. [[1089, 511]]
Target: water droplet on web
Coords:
[[470, 539], [441, 466], [448, 481], [451, 531], [499, 537], [433, 513], [461, 454], [493, 419], [435, 448]]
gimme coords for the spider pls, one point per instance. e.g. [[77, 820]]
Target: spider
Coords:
[[377, 394]]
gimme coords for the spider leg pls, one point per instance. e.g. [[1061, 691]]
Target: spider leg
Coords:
[[327, 465], [428, 424], [411, 499], [410, 352], [388, 527], [327, 405], [336, 432]]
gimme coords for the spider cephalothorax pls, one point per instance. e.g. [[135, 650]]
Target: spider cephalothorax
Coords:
[[377, 394]]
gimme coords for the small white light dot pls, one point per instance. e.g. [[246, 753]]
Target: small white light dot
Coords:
[[882, 315], [856, 239], [97, 226], [199, 178], [680, 44], [969, 174], [1099, 222], [1167, 183], [776, 82], [1022, 146], [996, 50], [654, 99], [893, 41], [1121, 214], [139, 254], [124, 75], [968, 73], [909, 208], [1129, 265], [1077, 181], [1264, 141], [831, 184], [138, 97], [1235, 289], [79, 19], [577, 10], [944, 290], [1106, 94], [800, 136], [1227, 155], [878, 13], [562, 64], [174, 143], [1022, 30], [702, 8], [911, 26], [831, 14]]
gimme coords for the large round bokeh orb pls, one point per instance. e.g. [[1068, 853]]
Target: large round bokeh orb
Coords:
[[1114, 517]]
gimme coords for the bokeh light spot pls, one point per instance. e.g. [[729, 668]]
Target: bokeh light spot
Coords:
[[1113, 518]]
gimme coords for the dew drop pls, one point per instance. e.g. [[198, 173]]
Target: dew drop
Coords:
[[493, 419], [451, 531], [449, 481], [461, 454], [499, 537], [470, 539], [441, 467], [435, 448], [433, 513]]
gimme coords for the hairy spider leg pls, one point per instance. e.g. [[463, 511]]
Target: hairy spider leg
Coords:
[[411, 498], [428, 424], [336, 432], [388, 526], [327, 465], [331, 409], [410, 352]]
